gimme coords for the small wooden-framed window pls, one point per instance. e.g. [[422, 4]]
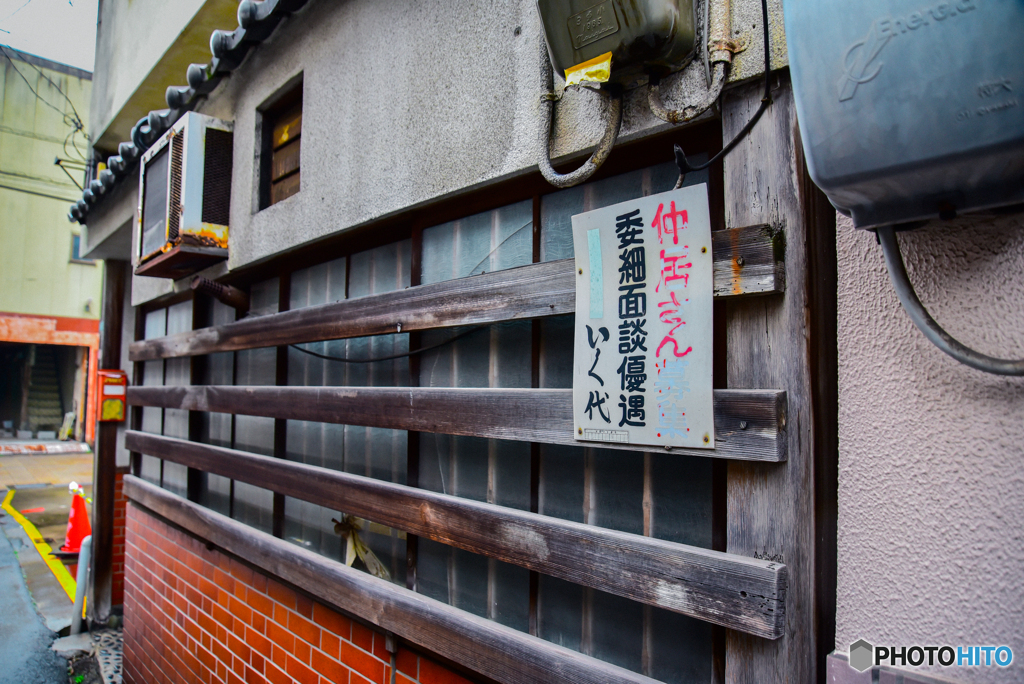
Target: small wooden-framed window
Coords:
[[76, 251], [282, 126]]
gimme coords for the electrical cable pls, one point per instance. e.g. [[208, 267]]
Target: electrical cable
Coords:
[[926, 324], [75, 122], [58, 89], [601, 152], [684, 165], [328, 357]]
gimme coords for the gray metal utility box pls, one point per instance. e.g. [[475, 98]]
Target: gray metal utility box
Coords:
[[910, 109], [644, 36]]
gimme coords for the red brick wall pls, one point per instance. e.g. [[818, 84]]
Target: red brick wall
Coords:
[[196, 615], [117, 562]]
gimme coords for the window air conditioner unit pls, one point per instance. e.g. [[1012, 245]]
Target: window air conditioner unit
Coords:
[[185, 198]]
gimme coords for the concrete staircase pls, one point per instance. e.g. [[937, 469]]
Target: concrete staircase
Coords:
[[44, 407]]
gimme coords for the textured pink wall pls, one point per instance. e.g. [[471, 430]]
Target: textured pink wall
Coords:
[[931, 453]]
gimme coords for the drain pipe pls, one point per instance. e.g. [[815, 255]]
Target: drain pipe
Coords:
[[547, 113], [225, 294], [721, 48], [81, 582]]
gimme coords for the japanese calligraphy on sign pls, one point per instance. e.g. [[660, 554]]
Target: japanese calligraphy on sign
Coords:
[[643, 342]]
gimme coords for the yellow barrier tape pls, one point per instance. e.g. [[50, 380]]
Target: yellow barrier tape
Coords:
[[597, 70], [56, 567]]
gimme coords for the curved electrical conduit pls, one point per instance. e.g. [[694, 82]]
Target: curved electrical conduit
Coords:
[[601, 152], [926, 324], [719, 42], [691, 111]]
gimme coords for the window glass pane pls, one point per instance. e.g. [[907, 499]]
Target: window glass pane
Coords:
[[309, 525], [373, 452], [495, 471], [175, 478], [615, 627], [679, 647], [150, 469], [153, 373], [254, 506], [477, 584], [489, 241], [558, 208], [215, 493], [681, 499], [560, 612]]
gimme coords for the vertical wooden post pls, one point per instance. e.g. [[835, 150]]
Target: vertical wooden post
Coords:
[[105, 460], [772, 343], [280, 379]]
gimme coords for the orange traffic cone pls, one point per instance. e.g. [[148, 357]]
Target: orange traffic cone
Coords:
[[78, 522]]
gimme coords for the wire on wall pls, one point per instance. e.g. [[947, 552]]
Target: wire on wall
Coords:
[[926, 324]]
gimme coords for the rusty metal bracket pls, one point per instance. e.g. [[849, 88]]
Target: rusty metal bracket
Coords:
[[733, 46]]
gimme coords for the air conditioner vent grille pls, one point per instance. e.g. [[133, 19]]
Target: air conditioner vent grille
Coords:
[[174, 201], [217, 177]]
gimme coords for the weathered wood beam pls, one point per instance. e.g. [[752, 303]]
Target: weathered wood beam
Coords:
[[773, 340], [499, 652], [738, 592], [749, 424], [746, 261]]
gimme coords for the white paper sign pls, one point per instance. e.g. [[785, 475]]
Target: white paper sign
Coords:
[[643, 342]]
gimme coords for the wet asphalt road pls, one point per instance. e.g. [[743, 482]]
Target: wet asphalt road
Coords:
[[25, 655]]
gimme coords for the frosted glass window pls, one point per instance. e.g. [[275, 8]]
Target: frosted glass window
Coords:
[[489, 241], [155, 325], [254, 505], [477, 584], [309, 525], [215, 428], [374, 452], [485, 470], [558, 208], [153, 374]]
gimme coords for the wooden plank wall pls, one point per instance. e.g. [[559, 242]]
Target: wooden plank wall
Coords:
[[749, 424]]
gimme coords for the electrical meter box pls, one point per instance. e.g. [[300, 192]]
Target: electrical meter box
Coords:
[[112, 388], [645, 37], [185, 198], [910, 109]]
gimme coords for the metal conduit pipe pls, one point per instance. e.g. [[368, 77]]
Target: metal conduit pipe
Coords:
[[601, 152], [226, 294], [926, 324], [721, 47]]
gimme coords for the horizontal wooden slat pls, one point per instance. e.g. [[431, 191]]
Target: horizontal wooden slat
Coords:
[[285, 188], [482, 645], [528, 292], [285, 160], [737, 592], [535, 291], [750, 425], [748, 261]]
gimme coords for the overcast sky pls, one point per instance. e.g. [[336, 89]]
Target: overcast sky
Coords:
[[60, 30]]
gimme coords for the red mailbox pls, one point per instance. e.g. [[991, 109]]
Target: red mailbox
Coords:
[[112, 387]]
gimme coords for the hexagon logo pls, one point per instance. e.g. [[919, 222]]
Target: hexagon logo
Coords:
[[862, 655]]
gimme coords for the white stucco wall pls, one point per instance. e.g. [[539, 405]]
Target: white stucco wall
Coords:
[[931, 462]]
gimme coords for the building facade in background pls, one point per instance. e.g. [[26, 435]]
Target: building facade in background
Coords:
[[50, 294], [349, 458]]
